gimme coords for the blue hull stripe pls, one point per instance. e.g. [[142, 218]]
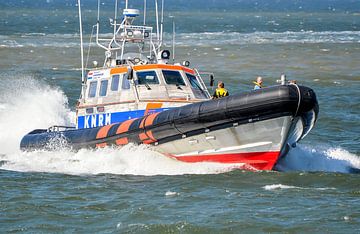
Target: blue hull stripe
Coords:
[[97, 120]]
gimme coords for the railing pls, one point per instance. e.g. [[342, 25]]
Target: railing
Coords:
[[59, 128]]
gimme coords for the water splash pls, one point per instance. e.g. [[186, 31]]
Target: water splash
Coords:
[[130, 159], [321, 158], [27, 104]]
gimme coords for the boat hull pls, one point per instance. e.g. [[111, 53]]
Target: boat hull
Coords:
[[253, 129], [256, 144]]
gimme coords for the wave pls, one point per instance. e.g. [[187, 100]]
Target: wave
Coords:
[[288, 37], [282, 186], [192, 39], [319, 159], [128, 160]]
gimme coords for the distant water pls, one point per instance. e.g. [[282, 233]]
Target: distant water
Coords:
[[135, 189]]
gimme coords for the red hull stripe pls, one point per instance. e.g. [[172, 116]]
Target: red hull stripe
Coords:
[[257, 160]]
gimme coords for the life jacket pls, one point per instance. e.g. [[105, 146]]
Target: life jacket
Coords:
[[221, 92], [257, 85]]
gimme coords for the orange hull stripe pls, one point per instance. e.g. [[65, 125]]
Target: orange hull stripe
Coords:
[[102, 133], [101, 145], [147, 137], [163, 66], [150, 119], [150, 135], [143, 136], [148, 141], [124, 127], [122, 141]]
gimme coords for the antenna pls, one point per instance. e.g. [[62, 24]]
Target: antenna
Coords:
[[157, 21], [173, 43], [162, 21], [115, 17], [98, 23], [144, 12], [81, 45]]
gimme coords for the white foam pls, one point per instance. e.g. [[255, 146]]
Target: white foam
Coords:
[[282, 186], [278, 186], [128, 160], [171, 194], [29, 105], [321, 158], [236, 38]]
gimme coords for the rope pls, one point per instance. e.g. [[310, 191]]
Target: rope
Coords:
[[88, 52]]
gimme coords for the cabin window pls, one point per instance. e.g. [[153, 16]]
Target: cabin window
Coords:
[[147, 77], [92, 89], [193, 81], [125, 82], [115, 82], [103, 87], [173, 77]]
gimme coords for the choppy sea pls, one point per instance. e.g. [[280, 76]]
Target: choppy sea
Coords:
[[134, 189]]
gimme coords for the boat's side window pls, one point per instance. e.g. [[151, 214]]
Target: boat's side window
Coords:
[[103, 88], [193, 81], [147, 77], [125, 82], [173, 77], [115, 82], [92, 89]]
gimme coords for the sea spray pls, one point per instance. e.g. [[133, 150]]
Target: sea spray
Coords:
[[319, 158], [28, 104], [127, 160]]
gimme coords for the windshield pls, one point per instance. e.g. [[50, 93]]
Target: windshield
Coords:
[[147, 77], [173, 77], [193, 81]]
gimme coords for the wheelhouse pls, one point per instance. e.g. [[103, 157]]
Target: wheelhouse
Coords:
[[125, 92]]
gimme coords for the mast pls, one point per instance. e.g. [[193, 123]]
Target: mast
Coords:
[[173, 43]]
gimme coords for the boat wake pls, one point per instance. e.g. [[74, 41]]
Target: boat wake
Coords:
[[128, 160], [142, 160], [28, 104]]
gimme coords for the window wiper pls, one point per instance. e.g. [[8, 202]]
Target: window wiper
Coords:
[[145, 83], [178, 86], [147, 86]]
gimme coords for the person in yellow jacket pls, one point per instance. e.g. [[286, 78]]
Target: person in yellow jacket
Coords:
[[220, 91], [258, 83]]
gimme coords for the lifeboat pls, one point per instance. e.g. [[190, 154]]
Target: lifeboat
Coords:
[[141, 99]]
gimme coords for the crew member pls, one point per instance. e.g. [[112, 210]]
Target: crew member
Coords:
[[220, 91], [258, 83]]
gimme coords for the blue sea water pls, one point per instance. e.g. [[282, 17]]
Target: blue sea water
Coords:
[[134, 189]]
